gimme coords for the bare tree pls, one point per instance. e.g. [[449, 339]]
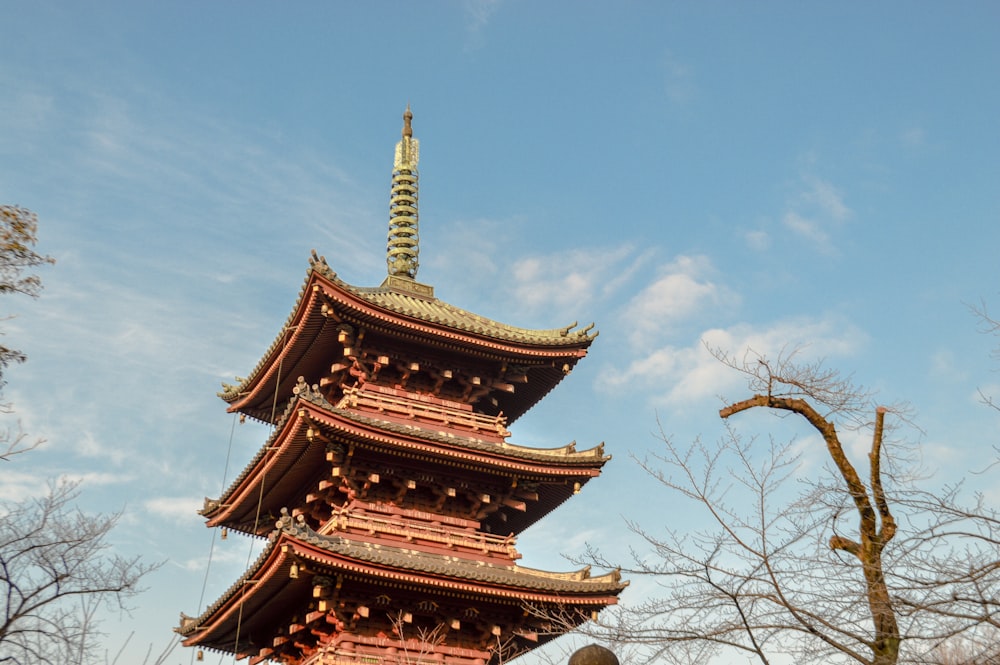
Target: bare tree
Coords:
[[416, 644], [837, 565], [56, 570], [18, 237], [989, 325], [419, 644], [152, 657], [958, 652]]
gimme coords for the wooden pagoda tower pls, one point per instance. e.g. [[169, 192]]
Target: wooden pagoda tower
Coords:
[[388, 490]]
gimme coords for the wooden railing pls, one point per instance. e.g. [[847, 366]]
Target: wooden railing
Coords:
[[421, 408], [428, 533]]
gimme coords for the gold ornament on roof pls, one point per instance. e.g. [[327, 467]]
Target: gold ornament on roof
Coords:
[[403, 250]]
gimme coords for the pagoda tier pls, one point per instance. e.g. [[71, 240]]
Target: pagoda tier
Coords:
[[323, 599], [387, 488], [402, 459], [400, 336]]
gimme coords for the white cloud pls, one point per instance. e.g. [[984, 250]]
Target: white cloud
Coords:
[[26, 112], [97, 478], [182, 509], [944, 366], [479, 13], [757, 240], [18, 485], [914, 137], [682, 290], [826, 198], [228, 558], [87, 444], [469, 247], [133, 331], [679, 79], [815, 212], [809, 229], [559, 283], [683, 375]]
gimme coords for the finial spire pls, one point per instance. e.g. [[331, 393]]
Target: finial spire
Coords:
[[403, 247], [407, 120]]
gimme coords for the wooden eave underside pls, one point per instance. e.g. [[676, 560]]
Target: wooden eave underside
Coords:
[[310, 333], [267, 595], [289, 464]]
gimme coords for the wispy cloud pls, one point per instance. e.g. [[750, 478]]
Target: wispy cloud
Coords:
[[824, 196], [22, 481], [228, 560], [757, 240], [138, 322], [26, 111], [561, 281], [944, 366], [678, 79], [478, 14], [810, 229], [174, 509], [682, 289], [815, 211], [543, 288], [679, 375], [913, 137], [99, 478]]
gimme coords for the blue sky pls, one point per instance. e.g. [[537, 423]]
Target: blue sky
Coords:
[[767, 174]]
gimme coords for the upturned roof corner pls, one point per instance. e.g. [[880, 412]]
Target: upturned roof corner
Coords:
[[387, 490]]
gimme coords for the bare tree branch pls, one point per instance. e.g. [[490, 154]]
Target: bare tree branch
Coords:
[[832, 567], [56, 569]]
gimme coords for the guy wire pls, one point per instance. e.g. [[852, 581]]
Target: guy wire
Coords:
[[260, 495], [211, 548]]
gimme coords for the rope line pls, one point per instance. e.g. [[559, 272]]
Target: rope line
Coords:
[[211, 547], [260, 495]]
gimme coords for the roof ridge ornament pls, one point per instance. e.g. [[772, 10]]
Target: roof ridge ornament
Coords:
[[403, 250]]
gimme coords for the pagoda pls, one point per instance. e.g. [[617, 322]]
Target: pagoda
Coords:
[[388, 492]]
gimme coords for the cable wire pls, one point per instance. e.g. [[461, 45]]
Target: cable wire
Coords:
[[260, 495]]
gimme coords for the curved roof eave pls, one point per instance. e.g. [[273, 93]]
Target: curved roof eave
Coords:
[[290, 540], [428, 316], [590, 460]]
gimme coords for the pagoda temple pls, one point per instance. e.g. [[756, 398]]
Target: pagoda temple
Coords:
[[388, 492]]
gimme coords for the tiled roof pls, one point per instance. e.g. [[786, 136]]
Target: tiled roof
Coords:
[[432, 310], [426, 310], [529, 579], [395, 560], [562, 456]]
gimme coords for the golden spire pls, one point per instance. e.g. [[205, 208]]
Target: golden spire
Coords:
[[403, 247], [407, 122]]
